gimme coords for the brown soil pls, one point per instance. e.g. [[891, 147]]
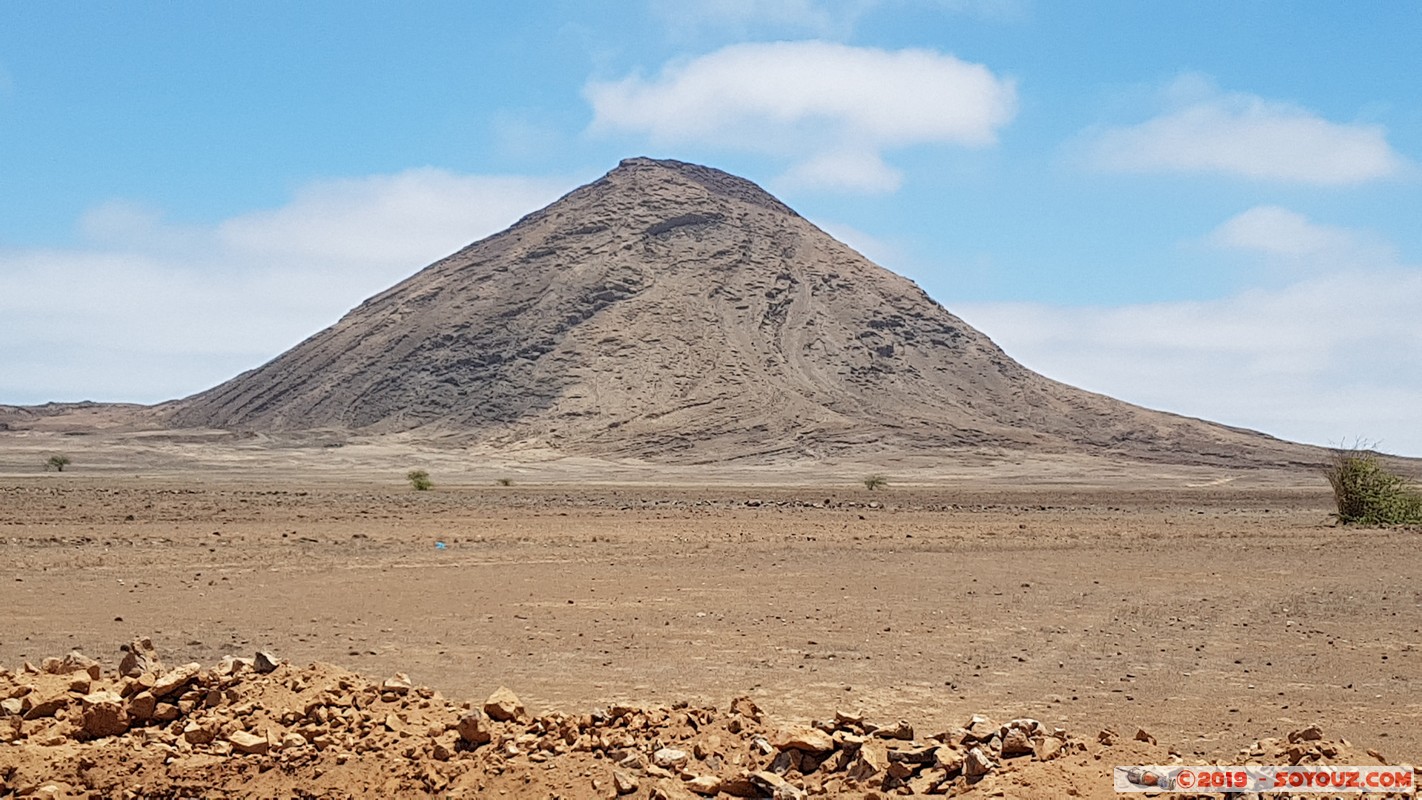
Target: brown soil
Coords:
[[1210, 612]]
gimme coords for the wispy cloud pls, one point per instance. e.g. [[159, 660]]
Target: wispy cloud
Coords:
[[831, 110], [815, 17], [1205, 130], [1287, 238], [1279, 231], [1327, 357], [147, 310], [823, 18]]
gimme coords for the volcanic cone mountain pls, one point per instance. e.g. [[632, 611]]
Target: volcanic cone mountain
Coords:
[[675, 312]]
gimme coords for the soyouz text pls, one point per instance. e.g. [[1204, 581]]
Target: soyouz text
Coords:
[[1320, 778]]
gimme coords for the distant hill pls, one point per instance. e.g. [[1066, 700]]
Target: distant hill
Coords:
[[670, 311]]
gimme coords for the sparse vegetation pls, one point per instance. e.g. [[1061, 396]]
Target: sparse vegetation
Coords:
[[875, 482], [1368, 493], [420, 480], [506, 481], [57, 463]]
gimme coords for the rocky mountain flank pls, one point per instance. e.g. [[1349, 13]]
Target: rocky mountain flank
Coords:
[[674, 312]]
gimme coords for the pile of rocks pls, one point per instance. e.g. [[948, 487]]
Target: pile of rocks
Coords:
[[66, 719], [741, 755], [262, 728]]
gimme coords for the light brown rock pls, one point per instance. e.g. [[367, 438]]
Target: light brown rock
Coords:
[[873, 759], [978, 763], [173, 680], [73, 662], [474, 728], [503, 705], [747, 708], [624, 783], [913, 755], [902, 730], [924, 783], [740, 785], [264, 662], [981, 725], [248, 743], [670, 790], [810, 740], [197, 733], [37, 706], [708, 785], [139, 657], [399, 684], [394, 724], [949, 759], [1016, 743], [776, 786], [786, 760], [103, 715], [1047, 748], [670, 758], [142, 706]]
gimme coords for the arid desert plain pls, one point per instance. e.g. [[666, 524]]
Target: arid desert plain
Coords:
[[1208, 608]]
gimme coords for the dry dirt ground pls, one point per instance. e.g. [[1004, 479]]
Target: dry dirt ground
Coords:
[[1211, 613]]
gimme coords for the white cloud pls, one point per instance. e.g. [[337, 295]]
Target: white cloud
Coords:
[[1279, 231], [831, 109], [1244, 135], [1296, 246], [147, 310], [386, 218], [1323, 359]]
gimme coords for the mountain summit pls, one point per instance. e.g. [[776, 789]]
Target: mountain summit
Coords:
[[675, 312]]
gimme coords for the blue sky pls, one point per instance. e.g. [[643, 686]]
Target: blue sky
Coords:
[[1206, 207]]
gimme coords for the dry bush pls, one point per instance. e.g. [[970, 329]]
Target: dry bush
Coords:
[[419, 479], [1368, 493]]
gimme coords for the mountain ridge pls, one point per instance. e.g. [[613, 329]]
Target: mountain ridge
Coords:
[[672, 311]]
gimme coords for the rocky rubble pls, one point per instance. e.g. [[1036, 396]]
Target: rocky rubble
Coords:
[[259, 727]]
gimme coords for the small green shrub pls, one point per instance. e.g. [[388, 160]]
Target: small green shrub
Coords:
[[57, 463], [1368, 493], [874, 482], [506, 481], [419, 479]]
